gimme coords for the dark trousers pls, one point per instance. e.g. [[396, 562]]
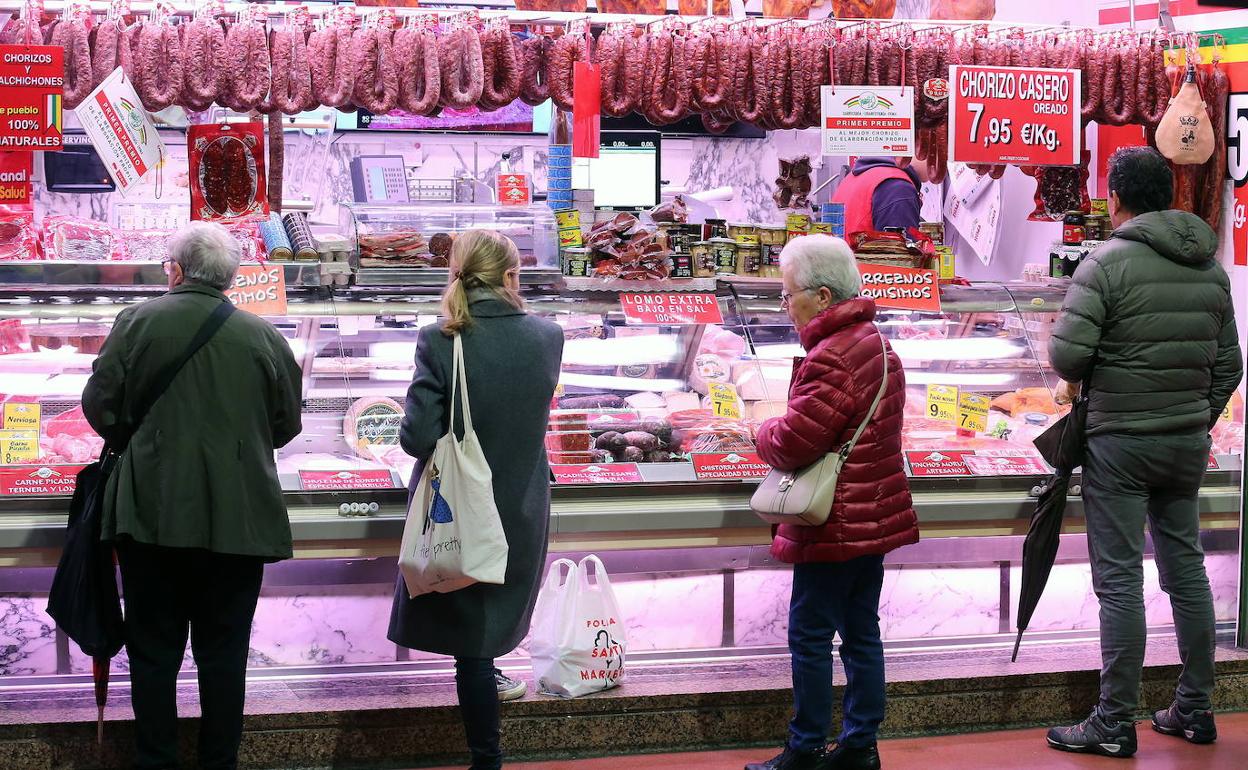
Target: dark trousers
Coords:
[[841, 598], [1128, 480], [170, 593], [478, 705]]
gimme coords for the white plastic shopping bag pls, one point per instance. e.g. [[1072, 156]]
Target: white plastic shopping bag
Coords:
[[578, 641], [453, 536]]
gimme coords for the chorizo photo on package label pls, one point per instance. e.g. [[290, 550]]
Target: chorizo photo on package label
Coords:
[[463, 78], [420, 76], [212, 181], [240, 181]]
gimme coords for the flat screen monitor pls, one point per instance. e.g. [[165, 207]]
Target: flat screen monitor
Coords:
[[625, 175]]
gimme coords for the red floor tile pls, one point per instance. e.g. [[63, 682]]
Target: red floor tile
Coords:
[[1013, 750]]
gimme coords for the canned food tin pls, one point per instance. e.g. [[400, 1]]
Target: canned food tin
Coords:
[[575, 262], [724, 255], [682, 265]]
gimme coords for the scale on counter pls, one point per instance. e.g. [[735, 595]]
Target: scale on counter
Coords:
[[379, 179]]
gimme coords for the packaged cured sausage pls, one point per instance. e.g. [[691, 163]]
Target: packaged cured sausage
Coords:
[[227, 178]]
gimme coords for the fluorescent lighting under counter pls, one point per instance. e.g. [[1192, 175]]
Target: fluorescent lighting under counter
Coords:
[[911, 351]]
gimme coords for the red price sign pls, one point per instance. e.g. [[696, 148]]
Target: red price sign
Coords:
[[733, 465], [32, 480], [1021, 115], [904, 288], [603, 473], [938, 463], [259, 289], [674, 308], [327, 480], [15, 172], [32, 79]]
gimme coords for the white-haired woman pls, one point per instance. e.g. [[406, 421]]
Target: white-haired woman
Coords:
[[194, 504], [838, 568], [512, 361]]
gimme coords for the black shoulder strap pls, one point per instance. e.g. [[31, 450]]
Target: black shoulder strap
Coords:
[[206, 331]]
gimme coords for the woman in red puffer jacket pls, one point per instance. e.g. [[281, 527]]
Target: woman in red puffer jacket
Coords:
[[838, 568]]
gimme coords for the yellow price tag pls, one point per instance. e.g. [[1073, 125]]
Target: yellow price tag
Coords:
[[942, 402], [18, 447], [945, 263], [973, 412], [21, 415], [724, 401]]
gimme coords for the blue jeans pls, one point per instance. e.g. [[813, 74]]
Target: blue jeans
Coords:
[[836, 598]]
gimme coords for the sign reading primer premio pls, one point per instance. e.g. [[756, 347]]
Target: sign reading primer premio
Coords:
[[32, 80], [867, 120]]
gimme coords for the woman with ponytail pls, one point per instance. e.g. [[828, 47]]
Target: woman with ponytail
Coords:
[[512, 361]]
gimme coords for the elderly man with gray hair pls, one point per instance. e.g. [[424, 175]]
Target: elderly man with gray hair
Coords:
[[849, 381], [195, 398]]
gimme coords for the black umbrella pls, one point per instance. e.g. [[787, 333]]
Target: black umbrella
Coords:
[[1063, 446]]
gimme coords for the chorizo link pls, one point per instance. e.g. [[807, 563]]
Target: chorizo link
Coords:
[[712, 64], [333, 80], [669, 96], [565, 52], [459, 56], [818, 55], [247, 66], [277, 160], [535, 83], [420, 75], [1212, 188], [787, 84], [71, 34], [376, 86], [161, 84], [203, 49], [500, 69]]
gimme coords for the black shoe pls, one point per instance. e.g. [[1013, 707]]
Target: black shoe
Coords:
[[1095, 735], [1194, 727], [791, 759], [850, 758]]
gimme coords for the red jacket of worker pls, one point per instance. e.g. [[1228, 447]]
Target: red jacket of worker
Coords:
[[832, 389]]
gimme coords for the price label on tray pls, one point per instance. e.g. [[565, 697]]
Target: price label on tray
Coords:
[[21, 415], [942, 402], [724, 400], [1014, 115], [18, 447], [973, 412]]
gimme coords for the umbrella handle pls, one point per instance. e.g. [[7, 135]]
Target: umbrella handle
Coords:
[[1017, 641]]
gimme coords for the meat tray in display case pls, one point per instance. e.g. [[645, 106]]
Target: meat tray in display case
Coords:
[[394, 242]]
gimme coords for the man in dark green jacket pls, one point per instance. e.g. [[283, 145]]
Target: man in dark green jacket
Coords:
[[1149, 324], [194, 504]]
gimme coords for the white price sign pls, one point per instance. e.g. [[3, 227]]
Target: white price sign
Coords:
[[867, 120]]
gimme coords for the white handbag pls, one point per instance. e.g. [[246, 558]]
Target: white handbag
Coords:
[[578, 641], [804, 497], [453, 536]]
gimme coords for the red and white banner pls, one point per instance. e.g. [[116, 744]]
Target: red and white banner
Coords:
[[867, 120], [32, 80], [733, 465], [1021, 115], [675, 308], [963, 462], [904, 288], [1005, 465], [319, 481], [602, 473], [937, 463], [32, 480]]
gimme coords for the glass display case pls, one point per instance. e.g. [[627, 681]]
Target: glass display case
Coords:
[[644, 410], [394, 239]]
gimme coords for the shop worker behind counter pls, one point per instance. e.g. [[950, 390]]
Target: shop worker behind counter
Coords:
[[1149, 319], [878, 193], [194, 505]]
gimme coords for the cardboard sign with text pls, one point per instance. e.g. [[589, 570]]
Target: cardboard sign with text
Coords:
[[733, 465], [673, 308], [1021, 115], [601, 473], [32, 80], [259, 289], [372, 478], [121, 131], [39, 480], [867, 120], [903, 288]]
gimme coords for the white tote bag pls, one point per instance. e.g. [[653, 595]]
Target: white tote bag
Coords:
[[453, 536], [578, 641]]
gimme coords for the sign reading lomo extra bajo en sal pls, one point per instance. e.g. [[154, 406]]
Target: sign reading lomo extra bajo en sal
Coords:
[[32, 80], [259, 289], [867, 120], [1021, 115], [673, 308], [903, 288]]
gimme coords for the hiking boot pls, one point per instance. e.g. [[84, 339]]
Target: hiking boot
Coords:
[[792, 759], [508, 688], [1194, 726], [1096, 735], [852, 758]]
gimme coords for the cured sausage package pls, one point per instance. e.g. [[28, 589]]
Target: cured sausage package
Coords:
[[227, 172]]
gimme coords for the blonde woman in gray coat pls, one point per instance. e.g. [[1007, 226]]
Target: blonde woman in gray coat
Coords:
[[512, 361]]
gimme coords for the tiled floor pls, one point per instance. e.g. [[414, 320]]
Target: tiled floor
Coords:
[[1013, 750]]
